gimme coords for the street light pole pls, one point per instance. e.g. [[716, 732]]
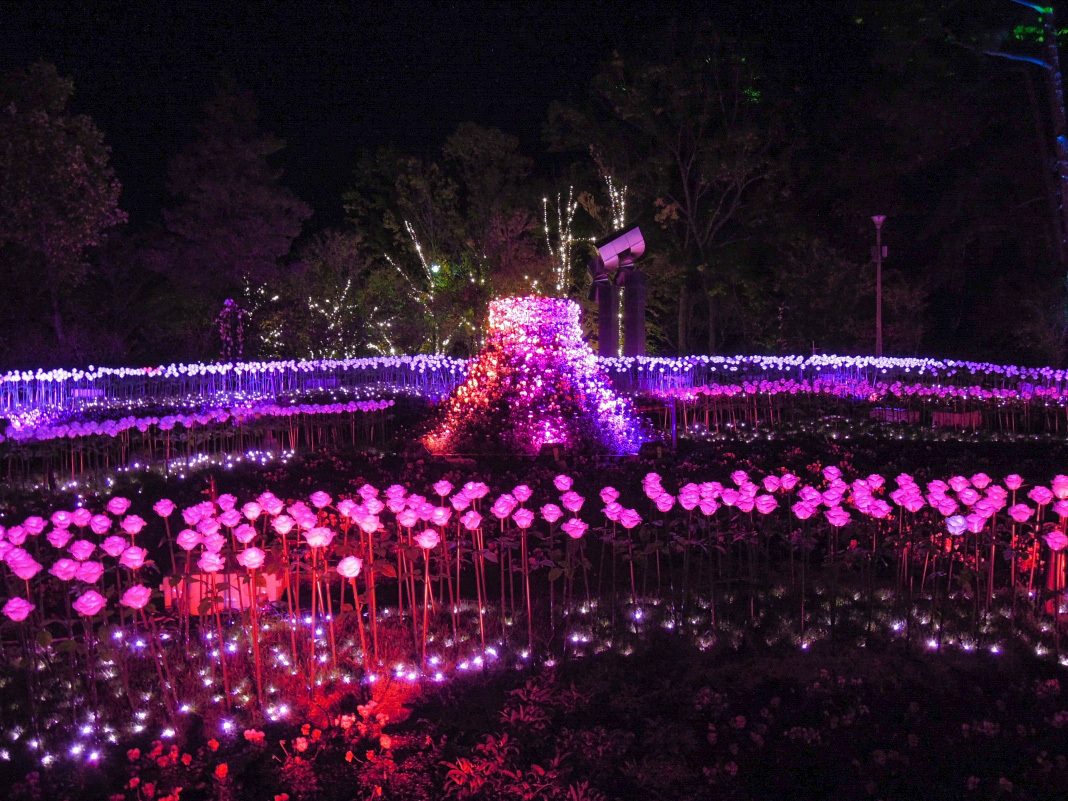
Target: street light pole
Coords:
[[878, 219]]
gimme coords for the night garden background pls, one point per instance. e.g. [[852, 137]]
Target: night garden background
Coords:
[[317, 482]]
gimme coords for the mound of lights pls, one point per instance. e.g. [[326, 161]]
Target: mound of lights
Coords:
[[535, 383]]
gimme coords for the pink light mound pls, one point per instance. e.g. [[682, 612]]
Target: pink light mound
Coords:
[[535, 383]]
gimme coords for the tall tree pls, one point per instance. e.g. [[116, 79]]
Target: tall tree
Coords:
[[232, 214], [58, 192]]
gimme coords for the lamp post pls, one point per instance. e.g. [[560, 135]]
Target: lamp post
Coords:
[[878, 219]]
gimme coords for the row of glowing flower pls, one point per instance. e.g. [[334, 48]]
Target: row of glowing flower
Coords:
[[859, 388], [30, 429], [962, 505]]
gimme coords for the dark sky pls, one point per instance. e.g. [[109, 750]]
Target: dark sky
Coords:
[[331, 77]]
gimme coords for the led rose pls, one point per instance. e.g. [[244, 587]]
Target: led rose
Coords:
[[136, 597], [1061, 508], [442, 488], [81, 550], [319, 536], [476, 489], [946, 507], [1013, 482], [428, 539], [133, 557], [613, 511], [251, 558], [188, 539], [231, 518], [562, 483], [283, 524], [227, 502], [213, 542], [574, 528], [788, 481], [471, 520], [100, 524], [81, 517], [34, 525], [1040, 495], [64, 569], [771, 483], [441, 515], [665, 502], [89, 603], [16, 535], [981, 481], [209, 526], [503, 507], [22, 564], [766, 504], [251, 510], [245, 533], [59, 537], [192, 515], [350, 567], [62, 519], [630, 518], [730, 497], [18, 609], [408, 518], [1021, 512], [1056, 540], [959, 483], [90, 572], [572, 501], [708, 506], [210, 562], [956, 525], [319, 500], [272, 505], [653, 491], [132, 524], [1060, 487], [523, 518], [118, 506], [114, 545], [163, 507], [367, 492], [803, 510], [460, 501], [711, 489], [880, 509], [837, 516], [345, 507], [831, 472], [522, 493]]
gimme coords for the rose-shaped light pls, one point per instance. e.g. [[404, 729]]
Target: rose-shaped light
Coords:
[[956, 525], [81, 550], [442, 488], [1056, 540], [665, 502], [837, 516], [164, 507], [18, 609], [136, 597], [100, 524], [471, 520], [227, 502], [572, 501], [34, 525], [283, 524], [89, 603], [1013, 482], [59, 537], [64, 569], [320, 499], [319, 536], [408, 518], [62, 519], [188, 539], [766, 504], [522, 493], [562, 483], [350, 567], [574, 528], [210, 562], [245, 533], [90, 571], [133, 557], [251, 510], [231, 518], [427, 539], [523, 518], [609, 494], [630, 518], [132, 524], [81, 517], [118, 506], [1021, 512], [441, 515], [1040, 495], [251, 558]]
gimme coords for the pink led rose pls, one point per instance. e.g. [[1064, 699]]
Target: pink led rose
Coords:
[[745, 503], [81, 517], [272, 505], [319, 536], [16, 535], [1040, 495], [251, 510], [231, 518], [831, 472], [1060, 487], [522, 493], [367, 492], [772, 483], [188, 539], [523, 518], [283, 524], [251, 558], [369, 524], [133, 557], [630, 518], [244, 533], [708, 506], [665, 502], [981, 481], [1056, 540], [572, 501], [227, 502], [408, 518], [34, 525], [1013, 482], [803, 510], [350, 567], [471, 520], [18, 609], [90, 572], [503, 506], [132, 524], [100, 524], [118, 506], [442, 488], [837, 516], [1021, 512], [210, 562], [59, 537], [320, 499], [574, 528], [441, 515], [164, 507], [62, 519], [788, 481], [613, 511], [89, 603], [81, 550], [64, 569], [1060, 508], [208, 526], [653, 491], [766, 504], [136, 597], [428, 539], [562, 483], [213, 542], [956, 525]]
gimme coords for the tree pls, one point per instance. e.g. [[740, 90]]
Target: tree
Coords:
[[58, 192], [232, 214]]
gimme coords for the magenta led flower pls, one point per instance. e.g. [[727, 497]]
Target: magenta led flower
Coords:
[[442, 488], [62, 519], [81, 550], [522, 493], [574, 528], [89, 603], [1021, 512], [90, 572], [572, 501], [132, 524], [1056, 540], [319, 536], [523, 518], [956, 525], [1040, 495], [471, 520], [251, 510], [428, 539], [1013, 482], [230, 518], [81, 517], [251, 558], [100, 524], [350, 567], [283, 524], [562, 483], [188, 539], [837, 516], [210, 562], [64, 569], [18, 609], [58, 537], [163, 507], [133, 557], [630, 519], [318, 499], [118, 506], [136, 597], [34, 525]]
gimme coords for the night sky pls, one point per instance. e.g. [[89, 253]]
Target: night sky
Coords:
[[332, 78]]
